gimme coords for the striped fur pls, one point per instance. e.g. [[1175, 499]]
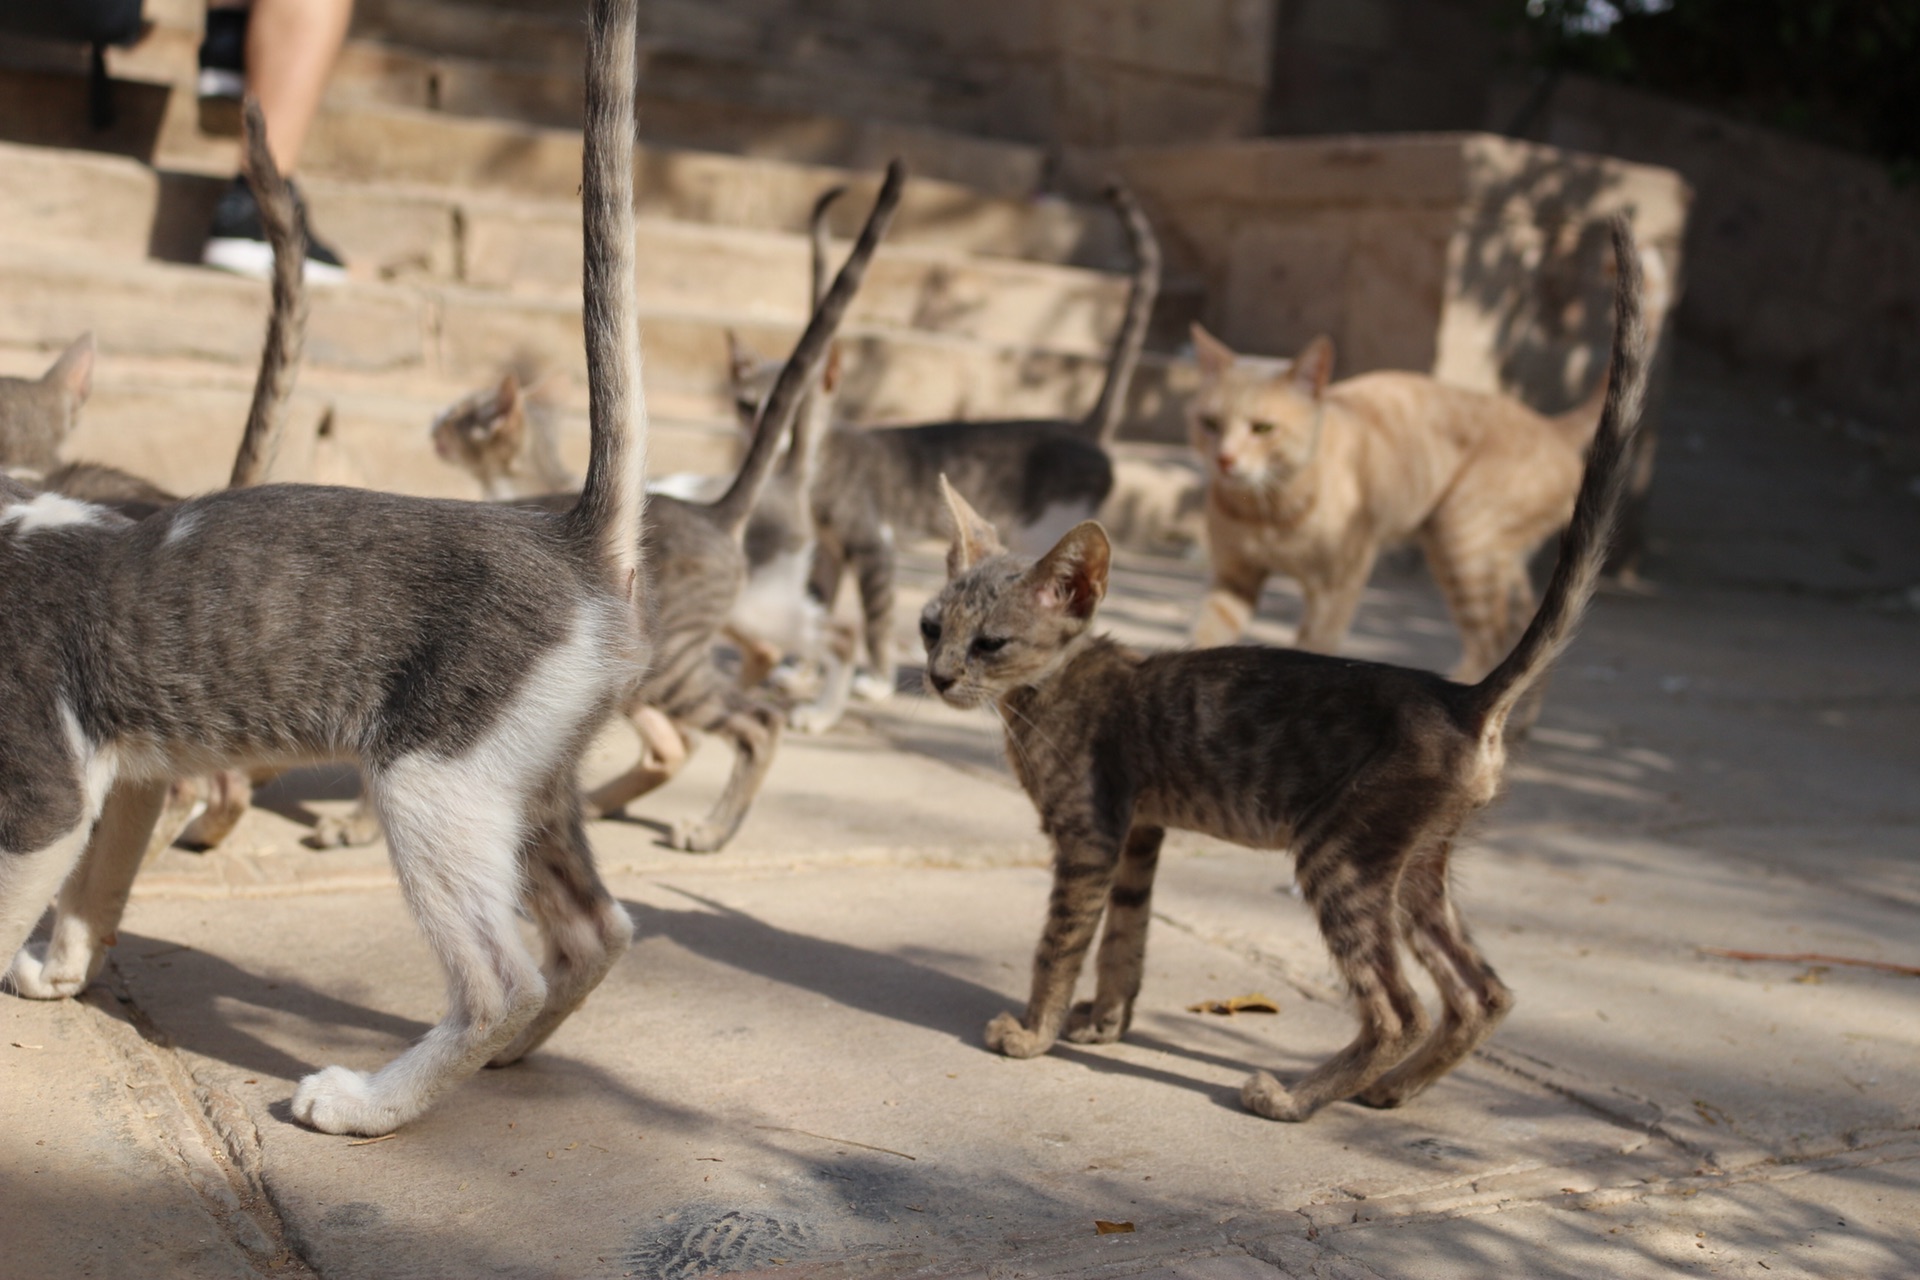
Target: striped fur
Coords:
[[1313, 480], [1366, 772]]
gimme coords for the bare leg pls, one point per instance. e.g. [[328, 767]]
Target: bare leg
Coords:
[[94, 897], [1123, 944], [1083, 866], [455, 838], [291, 48]]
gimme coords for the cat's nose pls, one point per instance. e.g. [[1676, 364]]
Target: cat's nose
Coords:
[[939, 682], [1226, 460]]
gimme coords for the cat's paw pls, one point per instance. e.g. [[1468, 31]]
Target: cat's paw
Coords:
[[696, 837], [1265, 1096], [871, 686], [350, 832], [339, 1100], [1084, 1028], [1006, 1034], [811, 719], [31, 976], [1385, 1095]]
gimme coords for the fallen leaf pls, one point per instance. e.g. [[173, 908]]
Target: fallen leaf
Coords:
[[1105, 1228], [18, 1045], [1254, 1003]]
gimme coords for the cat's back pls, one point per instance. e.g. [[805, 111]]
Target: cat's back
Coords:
[[1011, 470], [1412, 409]]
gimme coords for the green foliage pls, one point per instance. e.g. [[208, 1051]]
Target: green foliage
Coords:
[[1843, 72]]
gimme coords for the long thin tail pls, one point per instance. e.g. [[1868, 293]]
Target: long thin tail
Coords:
[[802, 369], [1596, 511], [1111, 407], [287, 321], [612, 500], [809, 424], [1577, 425]]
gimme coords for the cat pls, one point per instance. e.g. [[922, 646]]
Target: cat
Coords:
[[463, 653], [1366, 772], [698, 550], [1036, 476], [38, 414], [1313, 478]]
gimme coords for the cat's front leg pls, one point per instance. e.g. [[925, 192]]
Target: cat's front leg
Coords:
[[1082, 871], [1123, 944]]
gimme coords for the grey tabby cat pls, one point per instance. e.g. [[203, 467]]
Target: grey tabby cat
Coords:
[[1035, 477], [38, 414], [1366, 771], [463, 653], [700, 566]]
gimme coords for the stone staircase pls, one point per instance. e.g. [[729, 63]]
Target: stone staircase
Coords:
[[445, 165]]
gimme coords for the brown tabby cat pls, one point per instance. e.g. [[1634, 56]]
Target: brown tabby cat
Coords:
[[1034, 476], [700, 565], [463, 653], [1365, 771], [38, 414], [1312, 480]]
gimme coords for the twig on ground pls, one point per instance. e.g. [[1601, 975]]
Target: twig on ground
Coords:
[[1813, 957]]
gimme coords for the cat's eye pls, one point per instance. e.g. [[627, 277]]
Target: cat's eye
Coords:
[[989, 644], [1261, 428], [930, 631], [1210, 425]]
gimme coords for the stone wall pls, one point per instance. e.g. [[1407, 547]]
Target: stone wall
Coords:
[[1803, 261], [1477, 258]]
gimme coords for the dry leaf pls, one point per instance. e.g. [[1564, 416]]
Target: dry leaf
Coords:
[[1813, 976], [16, 1044], [1254, 1003], [1106, 1228]]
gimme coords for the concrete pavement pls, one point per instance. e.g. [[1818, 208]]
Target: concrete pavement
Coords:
[[786, 1075]]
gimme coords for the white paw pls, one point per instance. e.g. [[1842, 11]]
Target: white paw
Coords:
[[870, 686], [338, 1100], [811, 719], [31, 977]]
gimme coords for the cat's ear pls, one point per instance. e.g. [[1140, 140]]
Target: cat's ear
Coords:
[[973, 538], [1072, 578], [507, 397], [741, 360], [830, 374], [1215, 356], [1313, 367], [73, 371]]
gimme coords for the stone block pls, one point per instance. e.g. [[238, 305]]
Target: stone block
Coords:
[[1218, 40]]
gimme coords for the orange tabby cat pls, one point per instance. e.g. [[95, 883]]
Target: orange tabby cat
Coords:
[[1311, 480]]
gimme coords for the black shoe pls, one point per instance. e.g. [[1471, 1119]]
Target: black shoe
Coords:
[[238, 243], [223, 54]]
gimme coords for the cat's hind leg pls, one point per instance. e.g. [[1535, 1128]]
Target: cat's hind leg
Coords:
[[1123, 944], [754, 729], [663, 753], [94, 896], [873, 564], [454, 830], [1083, 871], [1473, 998], [584, 929], [1354, 901]]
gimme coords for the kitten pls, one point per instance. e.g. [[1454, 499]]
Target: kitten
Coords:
[[1312, 479], [1367, 772], [464, 653], [38, 414], [700, 567], [1035, 476]]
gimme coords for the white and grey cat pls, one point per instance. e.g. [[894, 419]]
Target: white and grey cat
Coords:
[[462, 653], [38, 414]]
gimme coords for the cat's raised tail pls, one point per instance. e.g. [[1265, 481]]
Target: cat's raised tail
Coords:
[[1596, 511], [803, 367], [613, 498], [287, 321], [1112, 404]]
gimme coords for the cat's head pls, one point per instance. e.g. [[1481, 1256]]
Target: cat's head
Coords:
[[750, 378], [1004, 622], [1257, 419], [485, 432], [38, 414]]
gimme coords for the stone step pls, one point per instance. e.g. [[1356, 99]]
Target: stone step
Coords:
[[458, 334], [116, 209]]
